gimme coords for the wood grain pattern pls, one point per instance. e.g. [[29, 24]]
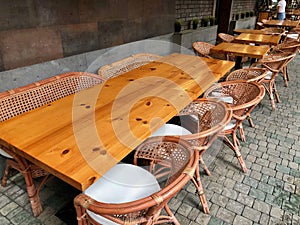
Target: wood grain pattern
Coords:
[[260, 39], [281, 23], [80, 137], [241, 49], [252, 31]]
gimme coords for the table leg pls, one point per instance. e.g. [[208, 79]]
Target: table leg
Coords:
[[238, 62]]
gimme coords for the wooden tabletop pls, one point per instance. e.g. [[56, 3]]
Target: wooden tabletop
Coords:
[[80, 137], [241, 49], [282, 23], [252, 31], [260, 39]]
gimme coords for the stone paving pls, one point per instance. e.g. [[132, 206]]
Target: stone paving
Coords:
[[268, 194]]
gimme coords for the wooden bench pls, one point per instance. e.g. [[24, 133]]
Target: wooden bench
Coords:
[[21, 100]]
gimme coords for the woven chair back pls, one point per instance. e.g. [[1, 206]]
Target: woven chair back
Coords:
[[179, 158], [276, 60], [245, 95], [125, 65], [249, 74], [226, 37], [20, 100]]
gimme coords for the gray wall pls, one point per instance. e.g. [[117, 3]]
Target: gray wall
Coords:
[[89, 61]]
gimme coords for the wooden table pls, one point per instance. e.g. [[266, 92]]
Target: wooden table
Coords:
[[252, 31], [258, 39], [241, 50], [80, 137], [282, 23]]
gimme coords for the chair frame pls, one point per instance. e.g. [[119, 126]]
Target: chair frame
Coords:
[[23, 99], [241, 110], [202, 140], [275, 62], [252, 74], [122, 66], [150, 205]]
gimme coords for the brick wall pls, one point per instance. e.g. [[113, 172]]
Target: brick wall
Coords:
[[239, 6], [186, 10], [33, 31]]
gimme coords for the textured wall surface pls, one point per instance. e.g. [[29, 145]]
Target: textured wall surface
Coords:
[[239, 6], [35, 31]]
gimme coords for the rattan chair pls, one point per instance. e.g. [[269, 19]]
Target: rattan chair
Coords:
[[125, 65], [125, 198], [242, 96], [203, 49], [20, 100], [249, 74], [288, 46], [252, 74], [275, 62], [200, 123], [226, 37], [260, 25], [274, 30]]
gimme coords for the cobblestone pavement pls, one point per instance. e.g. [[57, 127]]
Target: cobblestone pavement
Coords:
[[269, 193]]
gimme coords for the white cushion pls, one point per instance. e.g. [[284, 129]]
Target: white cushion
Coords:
[[220, 97], [295, 36], [3, 153], [122, 183], [171, 130], [230, 125], [269, 75]]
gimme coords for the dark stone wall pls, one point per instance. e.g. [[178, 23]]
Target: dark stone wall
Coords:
[[35, 31], [187, 10], [239, 6]]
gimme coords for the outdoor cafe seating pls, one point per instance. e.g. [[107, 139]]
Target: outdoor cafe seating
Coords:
[[199, 123], [242, 97], [21, 100], [129, 194]]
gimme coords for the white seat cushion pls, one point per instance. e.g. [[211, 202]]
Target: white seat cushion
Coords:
[[294, 36], [171, 130], [223, 98], [122, 183], [230, 125], [269, 75], [3, 153]]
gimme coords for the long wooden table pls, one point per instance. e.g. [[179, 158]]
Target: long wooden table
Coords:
[[259, 39], [252, 31], [282, 23], [241, 50], [80, 137]]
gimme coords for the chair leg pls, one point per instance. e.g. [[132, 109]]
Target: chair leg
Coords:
[[250, 121], [271, 95], [22, 166], [285, 76], [171, 216], [276, 93], [204, 166], [197, 182], [6, 173], [242, 133], [236, 150]]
